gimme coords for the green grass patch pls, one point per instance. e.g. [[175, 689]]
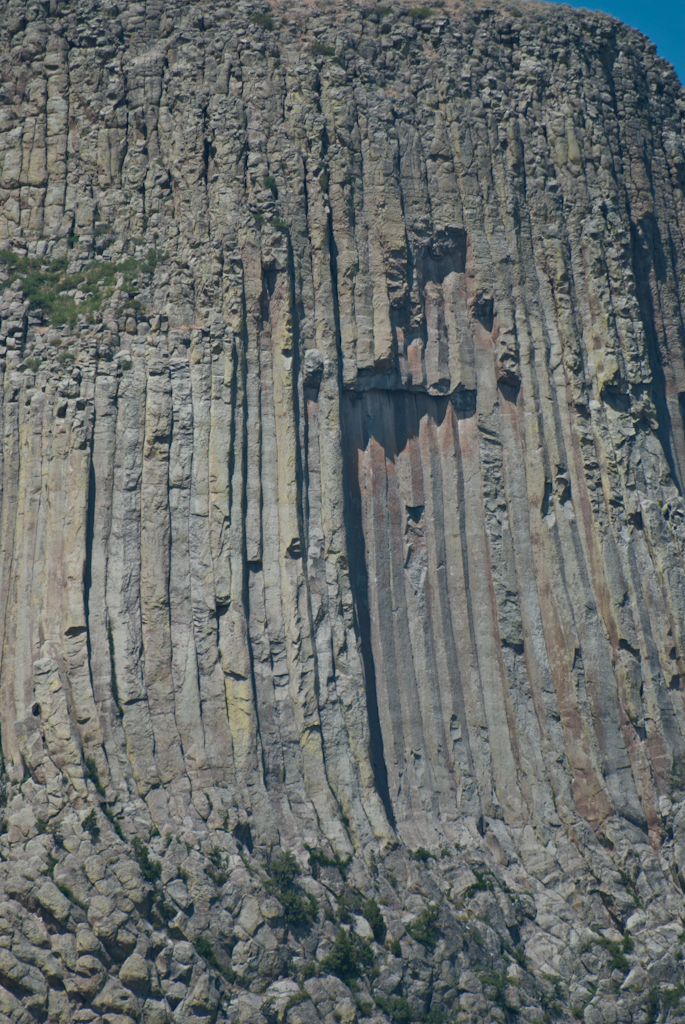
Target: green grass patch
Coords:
[[44, 283]]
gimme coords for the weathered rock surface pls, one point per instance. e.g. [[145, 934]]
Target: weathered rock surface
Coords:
[[343, 397]]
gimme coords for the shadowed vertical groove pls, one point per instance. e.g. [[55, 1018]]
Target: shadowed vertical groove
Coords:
[[642, 259], [90, 529], [360, 591]]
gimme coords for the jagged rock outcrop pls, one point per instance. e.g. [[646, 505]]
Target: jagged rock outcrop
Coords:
[[342, 532]]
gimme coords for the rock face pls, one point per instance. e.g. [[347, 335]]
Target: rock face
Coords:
[[342, 530]]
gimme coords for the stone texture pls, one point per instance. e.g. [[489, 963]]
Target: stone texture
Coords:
[[345, 517]]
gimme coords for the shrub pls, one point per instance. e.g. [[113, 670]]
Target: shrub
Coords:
[[372, 913], [299, 908], [92, 774], [284, 869], [396, 947], [421, 855], [347, 957], [90, 824], [321, 50], [424, 929], [498, 981], [112, 820], [318, 859], [152, 869], [398, 1009], [480, 885], [263, 20], [671, 997]]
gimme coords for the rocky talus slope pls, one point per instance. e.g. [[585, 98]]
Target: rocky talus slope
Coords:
[[342, 531]]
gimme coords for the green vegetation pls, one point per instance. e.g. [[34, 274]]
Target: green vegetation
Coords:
[[299, 907], [519, 955], [398, 1009], [422, 854], [349, 902], [348, 957], [480, 885], [45, 283], [160, 912], [205, 949], [418, 13], [295, 1000], [400, 1012], [215, 869], [495, 984], [112, 820], [270, 183], [372, 913], [263, 20], [70, 895], [92, 774], [317, 860], [396, 947], [321, 50], [152, 869], [90, 824], [424, 929], [652, 1004], [671, 997], [617, 950]]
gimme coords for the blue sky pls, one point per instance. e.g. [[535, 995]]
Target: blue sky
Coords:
[[662, 20]]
